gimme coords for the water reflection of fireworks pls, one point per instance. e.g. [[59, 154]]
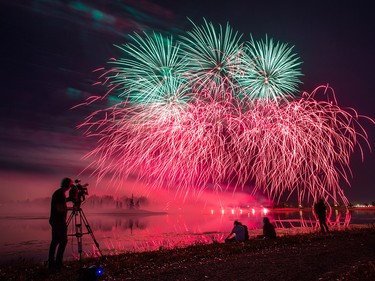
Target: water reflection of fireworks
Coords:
[[287, 223], [308, 221]]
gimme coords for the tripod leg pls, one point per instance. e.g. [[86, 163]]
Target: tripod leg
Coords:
[[70, 218], [87, 225], [76, 229], [79, 234]]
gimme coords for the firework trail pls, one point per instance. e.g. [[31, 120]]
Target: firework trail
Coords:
[[210, 111], [303, 146]]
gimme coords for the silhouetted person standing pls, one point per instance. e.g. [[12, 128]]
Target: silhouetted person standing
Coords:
[[58, 222], [320, 210]]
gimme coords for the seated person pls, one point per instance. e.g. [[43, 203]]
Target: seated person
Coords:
[[268, 230], [238, 233]]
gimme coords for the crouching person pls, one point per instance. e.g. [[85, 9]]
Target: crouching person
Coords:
[[238, 233]]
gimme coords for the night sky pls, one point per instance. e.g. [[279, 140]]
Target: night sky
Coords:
[[50, 48]]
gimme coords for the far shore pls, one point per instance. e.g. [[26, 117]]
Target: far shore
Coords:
[[5, 209]]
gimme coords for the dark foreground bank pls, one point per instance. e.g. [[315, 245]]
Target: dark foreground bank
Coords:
[[338, 255]]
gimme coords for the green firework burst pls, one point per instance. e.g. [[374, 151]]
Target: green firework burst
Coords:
[[272, 70], [214, 56], [152, 70]]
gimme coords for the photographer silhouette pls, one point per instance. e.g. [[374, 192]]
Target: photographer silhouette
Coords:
[[57, 221]]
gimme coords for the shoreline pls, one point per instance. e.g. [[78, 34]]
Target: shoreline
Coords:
[[337, 255], [150, 244]]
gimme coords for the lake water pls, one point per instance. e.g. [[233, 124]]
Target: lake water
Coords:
[[28, 235]]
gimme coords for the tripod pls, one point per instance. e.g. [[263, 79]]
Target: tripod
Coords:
[[78, 218]]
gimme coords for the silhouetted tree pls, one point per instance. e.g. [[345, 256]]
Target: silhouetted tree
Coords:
[[131, 202]]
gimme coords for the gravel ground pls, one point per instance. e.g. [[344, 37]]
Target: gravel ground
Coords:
[[338, 255]]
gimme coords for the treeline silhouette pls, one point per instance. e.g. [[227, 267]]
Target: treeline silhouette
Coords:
[[124, 202], [93, 201]]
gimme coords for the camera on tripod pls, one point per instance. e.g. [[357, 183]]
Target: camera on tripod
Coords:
[[77, 193]]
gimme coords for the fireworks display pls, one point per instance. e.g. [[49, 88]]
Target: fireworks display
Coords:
[[209, 111]]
